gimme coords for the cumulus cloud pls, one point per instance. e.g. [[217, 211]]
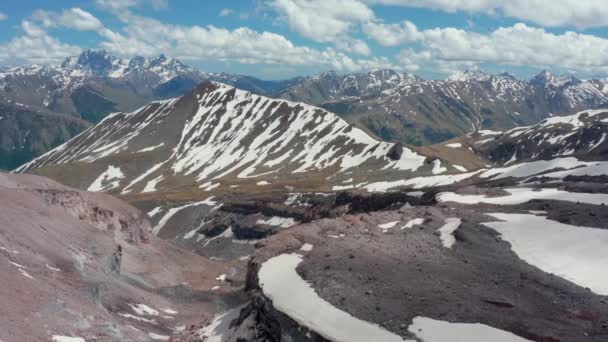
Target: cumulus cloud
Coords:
[[520, 45], [554, 13], [73, 18], [35, 46], [146, 36], [392, 34], [322, 20], [3, 16]]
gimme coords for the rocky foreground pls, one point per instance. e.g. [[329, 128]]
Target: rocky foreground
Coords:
[[86, 266]]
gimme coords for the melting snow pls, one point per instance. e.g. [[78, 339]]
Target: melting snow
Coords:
[[386, 226], [143, 309], [420, 182], [137, 318], [161, 223], [523, 195], [158, 337], [412, 223], [151, 148], [283, 222], [154, 211], [578, 254], [151, 185], [293, 296], [454, 145], [111, 177], [306, 247], [446, 233], [59, 338], [437, 168], [431, 330]]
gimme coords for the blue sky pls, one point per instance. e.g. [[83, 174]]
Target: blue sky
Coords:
[[276, 39]]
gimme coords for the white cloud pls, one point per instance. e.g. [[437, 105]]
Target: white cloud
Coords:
[[322, 20], [352, 45], [554, 13], [392, 34], [3, 16], [226, 12], [147, 36], [73, 18], [521, 45], [35, 46], [447, 49]]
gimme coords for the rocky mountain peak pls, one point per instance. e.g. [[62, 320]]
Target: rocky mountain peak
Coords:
[[470, 75], [92, 62], [547, 79]]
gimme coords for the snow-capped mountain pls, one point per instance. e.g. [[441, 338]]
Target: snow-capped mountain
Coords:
[[218, 135], [93, 84], [420, 112], [582, 135], [331, 86]]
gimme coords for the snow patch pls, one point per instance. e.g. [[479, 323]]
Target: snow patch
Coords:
[[412, 223], [446, 232], [293, 296], [523, 195], [575, 253], [431, 330], [108, 180]]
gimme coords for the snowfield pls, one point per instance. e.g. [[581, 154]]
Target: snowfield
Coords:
[[293, 296], [523, 195], [431, 330], [578, 254]]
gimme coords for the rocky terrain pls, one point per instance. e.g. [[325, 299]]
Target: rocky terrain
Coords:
[[85, 266], [294, 225]]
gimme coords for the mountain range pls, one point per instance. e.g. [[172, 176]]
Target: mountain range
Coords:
[[406, 109], [302, 219], [386, 104], [86, 88]]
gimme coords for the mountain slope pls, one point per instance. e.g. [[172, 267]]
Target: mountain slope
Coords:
[[219, 135], [583, 135], [27, 133]]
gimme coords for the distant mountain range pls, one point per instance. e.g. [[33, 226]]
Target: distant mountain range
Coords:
[[389, 105], [405, 108]]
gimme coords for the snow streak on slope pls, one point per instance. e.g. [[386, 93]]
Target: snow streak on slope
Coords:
[[236, 130]]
